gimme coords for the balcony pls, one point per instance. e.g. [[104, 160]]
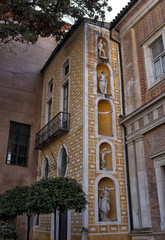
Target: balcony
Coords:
[[53, 130]]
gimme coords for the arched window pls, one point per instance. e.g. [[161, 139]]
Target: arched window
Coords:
[[105, 118], [62, 162], [45, 170], [63, 217]]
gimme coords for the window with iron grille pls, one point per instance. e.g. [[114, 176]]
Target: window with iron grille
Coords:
[[18, 144]]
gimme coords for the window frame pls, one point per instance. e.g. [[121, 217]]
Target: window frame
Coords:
[[159, 165], [37, 220], [19, 143], [66, 97], [49, 98], [63, 84], [50, 87], [61, 161], [49, 109], [65, 71], [159, 58], [45, 168], [148, 57]]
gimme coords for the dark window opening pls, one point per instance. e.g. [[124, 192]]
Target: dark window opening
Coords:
[[18, 144], [46, 169], [66, 69], [63, 220], [65, 98], [49, 110], [36, 219], [50, 86]]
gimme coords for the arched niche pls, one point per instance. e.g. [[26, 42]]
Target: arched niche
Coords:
[[105, 118], [45, 168], [105, 157], [103, 79], [110, 163], [102, 47], [63, 161], [107, 200]]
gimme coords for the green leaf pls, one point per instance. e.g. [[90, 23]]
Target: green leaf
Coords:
[[26, 20]]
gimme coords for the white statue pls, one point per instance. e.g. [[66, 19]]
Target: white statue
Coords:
[[103, 82], [101, 50], [103, 153], [104, 204]]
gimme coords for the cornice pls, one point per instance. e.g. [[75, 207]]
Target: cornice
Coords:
[[143, 110]]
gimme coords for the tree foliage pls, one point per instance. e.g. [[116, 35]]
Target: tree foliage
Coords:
[[26, 20], [63, 193], [23, 200], [45, 196]]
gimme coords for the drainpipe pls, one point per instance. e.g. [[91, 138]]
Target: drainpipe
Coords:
[[125, 146]]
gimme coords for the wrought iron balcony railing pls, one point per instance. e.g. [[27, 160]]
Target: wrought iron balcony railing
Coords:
[[53, 130]]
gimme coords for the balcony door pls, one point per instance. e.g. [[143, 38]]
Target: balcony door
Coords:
[[65, 105], [49, 109], [49, 117], [65, 97]]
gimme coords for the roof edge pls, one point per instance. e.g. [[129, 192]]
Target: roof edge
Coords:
[[68, 35], [122, 14], [60, 44]]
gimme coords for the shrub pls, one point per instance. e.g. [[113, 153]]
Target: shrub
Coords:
[[7, 231]]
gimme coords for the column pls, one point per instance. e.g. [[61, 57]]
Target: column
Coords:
[[142, 182], [134, 186]]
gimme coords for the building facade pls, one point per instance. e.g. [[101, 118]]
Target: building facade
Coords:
[[81, 136], [141, 26], [20, 98]]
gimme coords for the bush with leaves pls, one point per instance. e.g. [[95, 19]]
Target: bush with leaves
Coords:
[[7, 231]]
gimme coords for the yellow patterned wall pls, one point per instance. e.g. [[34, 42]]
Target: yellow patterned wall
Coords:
[[107, 231], [80, 63], [73, 139]]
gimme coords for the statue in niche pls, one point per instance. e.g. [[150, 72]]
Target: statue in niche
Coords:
[[103, 153], [104, 204], [103, 82], [101, 50]]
